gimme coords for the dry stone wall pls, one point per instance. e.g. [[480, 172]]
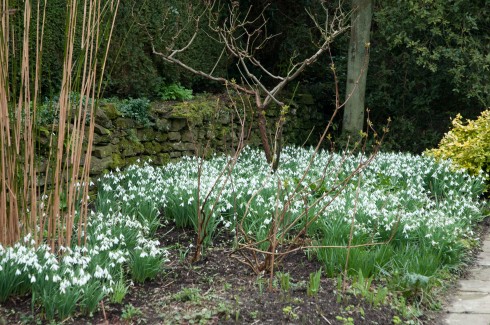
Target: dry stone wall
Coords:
[[181, 128]]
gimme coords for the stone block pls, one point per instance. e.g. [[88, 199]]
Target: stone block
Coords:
[[146, 134], [102, 139], [104, 151], [163, 124], [153, 147], [97, 165], [102, 119], [178, 124], [130, 148], [174, 136], [117, 161], [167, 147], [162, 159], [183, 146], [187, 136], [161, 136], [110, 111], [100, 130], [125, 123], [175, 154]]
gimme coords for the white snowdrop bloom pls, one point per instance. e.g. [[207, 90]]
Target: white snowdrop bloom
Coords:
[[32, 278], [18, 272], [63, 285], [99, 273]]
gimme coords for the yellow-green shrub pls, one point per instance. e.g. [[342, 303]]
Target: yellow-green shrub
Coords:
[[467, 144]]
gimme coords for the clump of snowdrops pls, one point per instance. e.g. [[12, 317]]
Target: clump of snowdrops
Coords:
[[119, 249]]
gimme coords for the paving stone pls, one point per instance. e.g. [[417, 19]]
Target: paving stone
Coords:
[[471, 302], [467, 319], [484, 258], [475, 285], [480, 273], [486, 245]]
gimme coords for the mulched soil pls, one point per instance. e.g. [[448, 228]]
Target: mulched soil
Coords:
[[221, 290]]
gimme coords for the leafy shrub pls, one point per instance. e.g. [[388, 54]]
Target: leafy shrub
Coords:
[[467, 144], [138, 109], [48, 111], [175, 91]]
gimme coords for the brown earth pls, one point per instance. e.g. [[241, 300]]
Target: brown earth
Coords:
[[221, 290]]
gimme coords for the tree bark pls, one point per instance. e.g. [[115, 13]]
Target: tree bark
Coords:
[[357, 65]]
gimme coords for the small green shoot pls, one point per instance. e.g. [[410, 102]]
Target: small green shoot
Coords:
[[314, 283], [131, 313]]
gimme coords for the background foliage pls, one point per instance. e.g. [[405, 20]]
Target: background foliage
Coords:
[[429, 59], [467, 144]]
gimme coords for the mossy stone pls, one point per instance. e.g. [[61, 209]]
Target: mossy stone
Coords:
[[183, 146], [104, 151], [131, 148], [125, 123], [97, 166], [161, 136], [100, 130], [153, 147], [178, 124], [117, 161], [102, 139], [162, 159], [174, 136], [146, 134], [163, 124], [102, 119], [187, 136], [175, 154], [110, 111]]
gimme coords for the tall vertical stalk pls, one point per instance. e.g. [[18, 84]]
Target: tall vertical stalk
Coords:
[[49, 213]]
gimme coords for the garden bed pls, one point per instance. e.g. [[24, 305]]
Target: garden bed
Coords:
[[405, 223]]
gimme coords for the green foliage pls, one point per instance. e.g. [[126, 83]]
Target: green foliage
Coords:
[[289, 313], [284, 281], [134, 70], [47, 112], [426, 66], [175, 91], [314, 283], [119, 289], [467, 144], [138, 109], [187, 294], [441, 37], [131, 313], [145, 266]]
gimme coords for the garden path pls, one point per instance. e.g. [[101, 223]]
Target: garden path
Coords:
[[471, 304]]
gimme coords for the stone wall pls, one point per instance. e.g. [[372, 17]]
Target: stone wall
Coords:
[[180, 128]]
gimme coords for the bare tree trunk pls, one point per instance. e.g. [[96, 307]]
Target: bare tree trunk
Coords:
[[357, 66], [262, 121], [242, 36]]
